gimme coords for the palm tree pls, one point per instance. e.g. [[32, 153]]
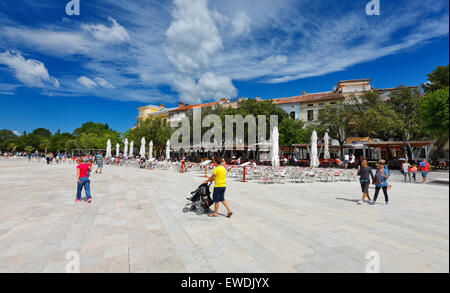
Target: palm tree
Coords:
[[45, 145], [12, 147]]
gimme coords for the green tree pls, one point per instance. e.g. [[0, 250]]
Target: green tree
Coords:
[[380, 122], [42, 132], [45, 145], [92, 127], [6, 137], [91, 135], [293, 132], [435, 117], [367, 100], [6, 134], [58, 141], [156, 130], [438, 79], [90, 141], [336, 119], [406, 103], [29, 149], [12, 147]]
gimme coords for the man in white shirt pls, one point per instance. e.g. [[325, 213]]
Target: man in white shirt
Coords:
[[346, 159], [352, 160]]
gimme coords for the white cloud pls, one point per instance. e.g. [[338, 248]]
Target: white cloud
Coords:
[[209, 86], [86, 82], [275, 60], [192, 37], [17, 133], [103, 83], [98, 81], [199, 48], [240, 24], [32, 73], [114, 34], [7, 89]]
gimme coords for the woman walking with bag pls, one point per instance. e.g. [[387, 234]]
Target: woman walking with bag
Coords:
[[380, 182]]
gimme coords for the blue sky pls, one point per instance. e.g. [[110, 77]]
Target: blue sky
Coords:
[[58, 71]]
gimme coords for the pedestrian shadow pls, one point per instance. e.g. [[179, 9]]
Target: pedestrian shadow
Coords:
[[347, 199]]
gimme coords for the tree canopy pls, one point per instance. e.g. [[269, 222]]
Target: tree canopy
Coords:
[[438, 79], [435, 113], [156, 130]]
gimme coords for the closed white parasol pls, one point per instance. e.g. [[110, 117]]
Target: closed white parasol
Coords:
[[313, 156], [125, 149], [326, 154], [168, 150], [150, 150], [108, 149], [274, 150], [142, 150], [131, 148]]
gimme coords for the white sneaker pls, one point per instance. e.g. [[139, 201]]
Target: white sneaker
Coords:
[[360, 202], [385, 203]]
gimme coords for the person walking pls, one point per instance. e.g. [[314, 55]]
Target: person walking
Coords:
[[414, 172], [406, 170], [219, 177], [99, 160], [352, 161], [424, 168], [381, 176], [346, 160], [365, 175], [383, 162], [83, 180]]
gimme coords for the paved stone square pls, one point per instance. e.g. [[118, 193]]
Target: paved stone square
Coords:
[[136, 224]]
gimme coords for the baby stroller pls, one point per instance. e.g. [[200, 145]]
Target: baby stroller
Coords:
[[200, 200]]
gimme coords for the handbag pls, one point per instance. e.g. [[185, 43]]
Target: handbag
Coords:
[[375, 179]]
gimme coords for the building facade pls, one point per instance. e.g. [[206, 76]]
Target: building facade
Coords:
[[304, 107], [152, 111]]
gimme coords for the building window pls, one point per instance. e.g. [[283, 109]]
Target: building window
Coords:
[[292, 114], [310, 115], [310, 105], [321, 104], [333, 103]]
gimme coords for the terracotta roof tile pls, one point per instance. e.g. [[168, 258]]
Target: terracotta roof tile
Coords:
[[318, 97], [195, 106]]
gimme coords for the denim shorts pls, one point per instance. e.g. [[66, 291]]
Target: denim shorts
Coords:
[[424, 174], [218, 194]]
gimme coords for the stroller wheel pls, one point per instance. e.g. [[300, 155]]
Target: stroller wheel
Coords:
[[199, 211], [185, 210]]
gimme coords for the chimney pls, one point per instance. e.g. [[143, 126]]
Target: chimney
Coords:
[[180, 104], [303, 93], [161, 106]]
